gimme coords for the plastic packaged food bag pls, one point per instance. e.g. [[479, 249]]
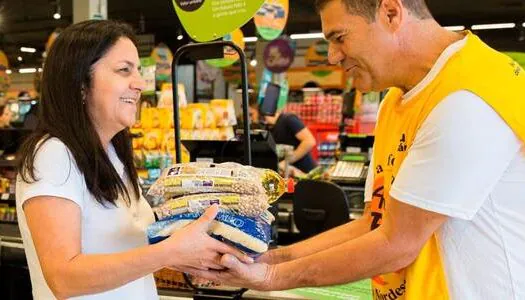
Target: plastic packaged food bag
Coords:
[[199, 177], [250, 235], [246, 205]]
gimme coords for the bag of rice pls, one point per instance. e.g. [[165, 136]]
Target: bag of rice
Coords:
[[250, 235]]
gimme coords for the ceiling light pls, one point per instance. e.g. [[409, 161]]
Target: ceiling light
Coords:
[[57, 15], [455, 28], [28, 49], [19, 58], [303, 36], [523, 24], [493, 26], [179, 37], [8, 71], [27, 70], [250, 39], [253, 63]]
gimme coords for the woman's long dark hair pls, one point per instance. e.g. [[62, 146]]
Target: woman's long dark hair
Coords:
[[63, 113]]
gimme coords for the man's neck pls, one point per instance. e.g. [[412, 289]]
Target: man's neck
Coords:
[[425, 42]]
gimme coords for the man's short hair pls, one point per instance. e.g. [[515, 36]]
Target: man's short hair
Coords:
[[368, 8]]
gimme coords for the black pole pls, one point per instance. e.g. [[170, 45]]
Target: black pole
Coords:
[[175, 91]]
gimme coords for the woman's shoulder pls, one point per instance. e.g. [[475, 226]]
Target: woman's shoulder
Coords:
[[52, 149]]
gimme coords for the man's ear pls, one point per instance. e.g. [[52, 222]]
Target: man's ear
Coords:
[[390, 13]]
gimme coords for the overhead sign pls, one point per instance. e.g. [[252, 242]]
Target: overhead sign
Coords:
[[163, 58], [271, 18], [278, 55], [230, 55], [225, 15], [317, 54]]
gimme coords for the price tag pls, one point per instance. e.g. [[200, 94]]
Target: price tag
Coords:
[[5, 196]]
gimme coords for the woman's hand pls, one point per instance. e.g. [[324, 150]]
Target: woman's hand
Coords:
[[192, 248]]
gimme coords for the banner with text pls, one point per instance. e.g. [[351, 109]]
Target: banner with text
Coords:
[[225, 15]]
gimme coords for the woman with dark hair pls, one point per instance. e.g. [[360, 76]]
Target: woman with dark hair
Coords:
[[80, 210]]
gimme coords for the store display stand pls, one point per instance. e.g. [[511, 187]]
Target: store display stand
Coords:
[[200, 51]]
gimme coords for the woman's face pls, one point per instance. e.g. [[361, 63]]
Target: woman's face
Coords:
[[115, 89]]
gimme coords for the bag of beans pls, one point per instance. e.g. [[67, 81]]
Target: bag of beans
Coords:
[[199, 177]]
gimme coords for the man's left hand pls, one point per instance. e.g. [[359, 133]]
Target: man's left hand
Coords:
[[256, 276]]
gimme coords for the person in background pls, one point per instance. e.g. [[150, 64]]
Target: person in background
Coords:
[[288, 129], [445, 209], [80, 211], [5, 116], [24, 95]]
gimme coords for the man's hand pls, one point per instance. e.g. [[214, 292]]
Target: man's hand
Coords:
[[257, 276]]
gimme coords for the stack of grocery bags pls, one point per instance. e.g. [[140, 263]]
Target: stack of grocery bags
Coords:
[[184, 191]]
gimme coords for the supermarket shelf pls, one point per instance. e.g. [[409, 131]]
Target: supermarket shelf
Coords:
[[9, 222], [6, 197], [8, 163]]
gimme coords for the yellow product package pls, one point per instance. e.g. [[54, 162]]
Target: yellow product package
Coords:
[[246, 205], [224, 112], [191, 118], [208, 118]]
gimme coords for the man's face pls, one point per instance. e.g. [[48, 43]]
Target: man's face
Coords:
[[361, 47]]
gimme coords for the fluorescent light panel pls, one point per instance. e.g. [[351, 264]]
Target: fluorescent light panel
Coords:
[[28, 49], [493, 26], [455, 28], [250, 39], [27, 70], [304, 36]]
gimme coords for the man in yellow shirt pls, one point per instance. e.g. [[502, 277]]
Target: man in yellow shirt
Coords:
[[444, 213]]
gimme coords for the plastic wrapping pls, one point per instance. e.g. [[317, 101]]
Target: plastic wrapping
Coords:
[[250, 235], [246, 205], [192, 178]]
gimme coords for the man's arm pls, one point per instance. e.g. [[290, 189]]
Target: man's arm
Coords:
[[328, 239], [307, 143], [392, 246]]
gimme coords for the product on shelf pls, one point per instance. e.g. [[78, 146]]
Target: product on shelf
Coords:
[[224, 111], [154, 143], [8, 214], [321, 109]]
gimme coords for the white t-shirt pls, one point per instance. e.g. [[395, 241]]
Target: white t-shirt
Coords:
[[104, 229], [467, 163]]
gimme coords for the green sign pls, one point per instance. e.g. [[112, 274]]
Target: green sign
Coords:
[[271, 18], [225, 15], [360, 290], [519, 57], [230, 55]]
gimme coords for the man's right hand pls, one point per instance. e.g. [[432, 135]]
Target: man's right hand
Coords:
[[274, 257]]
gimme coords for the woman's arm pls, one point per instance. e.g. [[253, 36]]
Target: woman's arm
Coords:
[[55, 228]]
